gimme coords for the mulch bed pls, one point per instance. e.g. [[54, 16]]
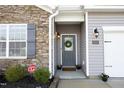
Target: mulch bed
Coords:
[[27, 82]]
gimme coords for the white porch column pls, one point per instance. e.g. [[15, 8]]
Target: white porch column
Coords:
[[87, 44]]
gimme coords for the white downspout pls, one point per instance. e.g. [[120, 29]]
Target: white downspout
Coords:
[[50, 41]]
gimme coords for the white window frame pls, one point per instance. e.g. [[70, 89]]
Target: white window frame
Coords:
[[7, 44]]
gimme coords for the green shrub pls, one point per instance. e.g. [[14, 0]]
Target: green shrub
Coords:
[[15, 73], [42, 75]]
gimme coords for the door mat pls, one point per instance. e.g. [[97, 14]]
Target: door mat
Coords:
[[69, 69]]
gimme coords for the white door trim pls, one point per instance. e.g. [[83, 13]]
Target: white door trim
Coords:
[[61, 46]]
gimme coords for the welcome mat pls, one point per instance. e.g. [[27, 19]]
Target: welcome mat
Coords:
[[69, 69]]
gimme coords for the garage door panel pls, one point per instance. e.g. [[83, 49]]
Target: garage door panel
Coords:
[[114, 54]]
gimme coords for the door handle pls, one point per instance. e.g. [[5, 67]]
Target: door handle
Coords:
[[107, 41], [108, 66]]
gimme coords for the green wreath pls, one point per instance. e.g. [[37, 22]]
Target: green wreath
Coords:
[[68, 43]]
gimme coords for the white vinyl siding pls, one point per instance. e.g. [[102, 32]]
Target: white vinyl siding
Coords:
[[13, 41]]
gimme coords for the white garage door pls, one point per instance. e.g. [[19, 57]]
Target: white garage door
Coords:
[[114, 53]]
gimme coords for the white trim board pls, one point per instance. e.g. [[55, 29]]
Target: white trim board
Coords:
[[113, 28], [103, 8], [61, 46], [46, 8]]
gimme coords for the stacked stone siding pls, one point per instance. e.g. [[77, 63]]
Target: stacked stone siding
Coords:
[[28, 14]]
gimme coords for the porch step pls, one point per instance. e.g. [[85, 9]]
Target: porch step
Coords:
[[68, 68], [78, 74]]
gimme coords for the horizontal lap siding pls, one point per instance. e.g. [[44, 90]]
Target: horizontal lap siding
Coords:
[[96, 52]]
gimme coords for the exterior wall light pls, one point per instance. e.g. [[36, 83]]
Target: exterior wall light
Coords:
[[57, 34], [96, 33]]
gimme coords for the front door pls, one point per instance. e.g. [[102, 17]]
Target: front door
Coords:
[[68, 50]]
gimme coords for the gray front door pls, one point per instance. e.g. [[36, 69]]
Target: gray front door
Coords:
[[68, 50]]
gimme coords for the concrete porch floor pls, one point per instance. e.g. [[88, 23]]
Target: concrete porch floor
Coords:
[[78, 74], [77, 79]]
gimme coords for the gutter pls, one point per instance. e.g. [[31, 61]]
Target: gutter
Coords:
[[50, 42], [104, 8]]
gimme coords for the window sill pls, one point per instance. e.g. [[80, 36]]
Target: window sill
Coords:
[[13, 57]]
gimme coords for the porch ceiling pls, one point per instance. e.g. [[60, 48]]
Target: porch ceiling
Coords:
[[70, 14]]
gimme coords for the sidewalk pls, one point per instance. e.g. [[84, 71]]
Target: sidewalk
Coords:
[[90, 83], [84, 83], [116, 83]]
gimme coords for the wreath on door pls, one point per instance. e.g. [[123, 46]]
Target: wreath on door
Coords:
[[68, 43]]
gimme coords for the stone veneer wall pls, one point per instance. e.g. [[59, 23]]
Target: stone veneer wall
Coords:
[[28, 14]]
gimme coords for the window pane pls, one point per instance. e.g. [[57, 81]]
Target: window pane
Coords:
[[23, 49], [17, 32], [2, 32], [17, 49], [2, 49], [23, 35]]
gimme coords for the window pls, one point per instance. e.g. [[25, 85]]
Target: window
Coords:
[[3, 40], [13, 40], [2, 48]]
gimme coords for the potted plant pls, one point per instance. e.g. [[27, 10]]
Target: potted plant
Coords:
[[78, 66], [59, 67], [104, 77]]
